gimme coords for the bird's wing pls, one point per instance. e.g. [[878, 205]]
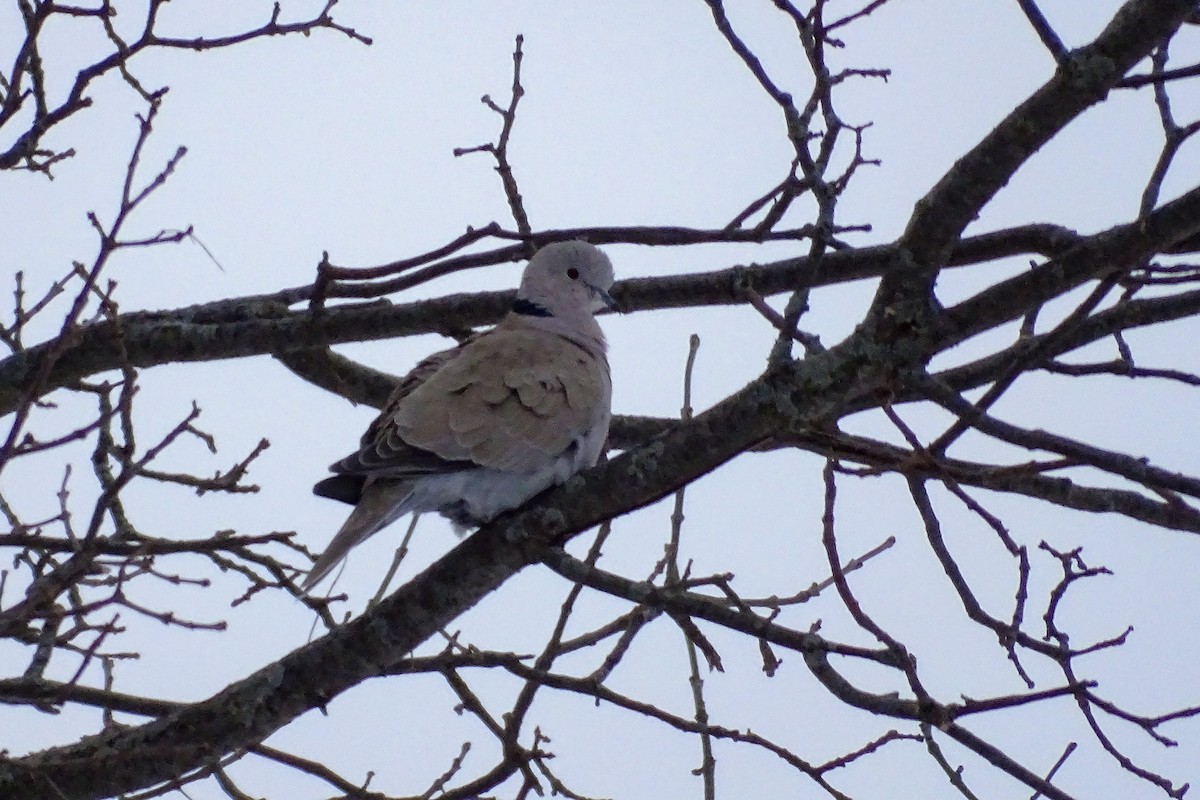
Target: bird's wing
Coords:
[[379, 448], [511, 400]]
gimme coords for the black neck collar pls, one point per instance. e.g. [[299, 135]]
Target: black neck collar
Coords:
[[529, 308]]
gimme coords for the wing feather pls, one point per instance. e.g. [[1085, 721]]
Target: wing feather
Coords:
[[509, 400]]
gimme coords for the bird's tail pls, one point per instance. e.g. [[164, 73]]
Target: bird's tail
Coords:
[[381, 504]]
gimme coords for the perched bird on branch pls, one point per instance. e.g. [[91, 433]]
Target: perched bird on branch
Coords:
[[479, 429]]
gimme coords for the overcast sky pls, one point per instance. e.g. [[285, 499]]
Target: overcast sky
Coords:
[[636, 114]]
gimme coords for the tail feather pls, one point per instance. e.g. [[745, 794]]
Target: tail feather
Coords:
[[381, 504]]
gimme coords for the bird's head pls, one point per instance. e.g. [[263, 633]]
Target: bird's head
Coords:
[[566, 279]]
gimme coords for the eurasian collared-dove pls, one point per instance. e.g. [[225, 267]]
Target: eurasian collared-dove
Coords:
[[479, 429]]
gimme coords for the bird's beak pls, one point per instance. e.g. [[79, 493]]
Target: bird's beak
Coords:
[[606, 298]]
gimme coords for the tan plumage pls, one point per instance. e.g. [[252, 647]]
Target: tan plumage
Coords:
[[479, 429], [508, 401]]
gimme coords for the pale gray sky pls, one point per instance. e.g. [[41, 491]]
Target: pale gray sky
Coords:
[[635, 113]]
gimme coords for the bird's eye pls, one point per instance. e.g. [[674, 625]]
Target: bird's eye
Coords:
[[573, 274]]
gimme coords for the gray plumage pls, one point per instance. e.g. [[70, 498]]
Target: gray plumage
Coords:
[[478, 429]]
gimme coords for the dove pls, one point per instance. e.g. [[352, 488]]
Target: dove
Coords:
[[481, 428]]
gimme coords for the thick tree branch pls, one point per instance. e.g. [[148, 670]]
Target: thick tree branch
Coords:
[[1116, 250], [1082, 79], [259, 325]]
